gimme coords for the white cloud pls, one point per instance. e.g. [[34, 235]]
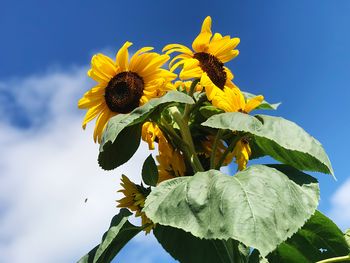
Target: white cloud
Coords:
[[49, 169], [340, 211]]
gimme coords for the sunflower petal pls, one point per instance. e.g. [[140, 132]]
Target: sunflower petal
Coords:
[[92, 113], [101, 122], [253, 103], [122, 57], [137, 57], [201, 43]]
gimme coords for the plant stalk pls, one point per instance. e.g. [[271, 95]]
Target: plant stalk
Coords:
[[336, 259]]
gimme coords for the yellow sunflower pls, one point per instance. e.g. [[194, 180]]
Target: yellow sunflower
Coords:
[[134, 199], [209, 55], [242, 153], [123, 85]]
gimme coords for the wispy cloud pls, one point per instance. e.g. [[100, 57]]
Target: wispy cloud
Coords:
[[48, 168], [340, 210]]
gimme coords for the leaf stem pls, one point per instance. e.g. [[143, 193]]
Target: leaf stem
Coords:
[[336, 259], [228, 149]]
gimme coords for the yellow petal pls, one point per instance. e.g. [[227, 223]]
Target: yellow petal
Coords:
[[101, 122], [177, 48], [86, 102], [104, 65], [92, 113], [122, 57], [153, 65], [201, 43], [253, 103], [135, 59]]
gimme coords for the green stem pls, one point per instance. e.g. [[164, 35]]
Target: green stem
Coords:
[[193, 86], [186, 136], [336, 259], [174, 136], [227, 151], [190, 93], [213, 152]]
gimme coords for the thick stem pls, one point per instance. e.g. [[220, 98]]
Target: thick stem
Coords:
[[336, 259]]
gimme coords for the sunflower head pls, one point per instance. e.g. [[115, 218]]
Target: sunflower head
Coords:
[[209, 54], [134, 199], [123, 84]]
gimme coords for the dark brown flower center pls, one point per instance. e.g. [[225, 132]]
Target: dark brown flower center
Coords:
[[213, 67], [124, 91]]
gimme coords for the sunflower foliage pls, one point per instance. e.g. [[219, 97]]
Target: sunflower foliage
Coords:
[[195, 121]]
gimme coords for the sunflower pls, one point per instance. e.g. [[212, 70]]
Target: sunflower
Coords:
[[209, 55], [123, 85], [134, 199], [242, 153], [229, 99]]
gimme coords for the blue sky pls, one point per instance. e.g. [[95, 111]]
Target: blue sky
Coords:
[[294, 52]]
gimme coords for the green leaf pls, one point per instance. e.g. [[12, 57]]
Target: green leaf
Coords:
[[187, 248], [208, 111], [318, 239], [118, 234], [264, 105], [150, 171], [115, 133], [260, 206], [281, 139], [122, 149]]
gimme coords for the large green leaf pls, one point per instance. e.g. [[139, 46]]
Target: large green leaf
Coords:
[[264, 104], [119, 144], [281, 139], [118, 234], [318, 239], [260, 206], [187, 248]]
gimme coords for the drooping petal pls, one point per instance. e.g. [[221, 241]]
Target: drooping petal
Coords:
[[92, 113], [253, 103], [101, 122]]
